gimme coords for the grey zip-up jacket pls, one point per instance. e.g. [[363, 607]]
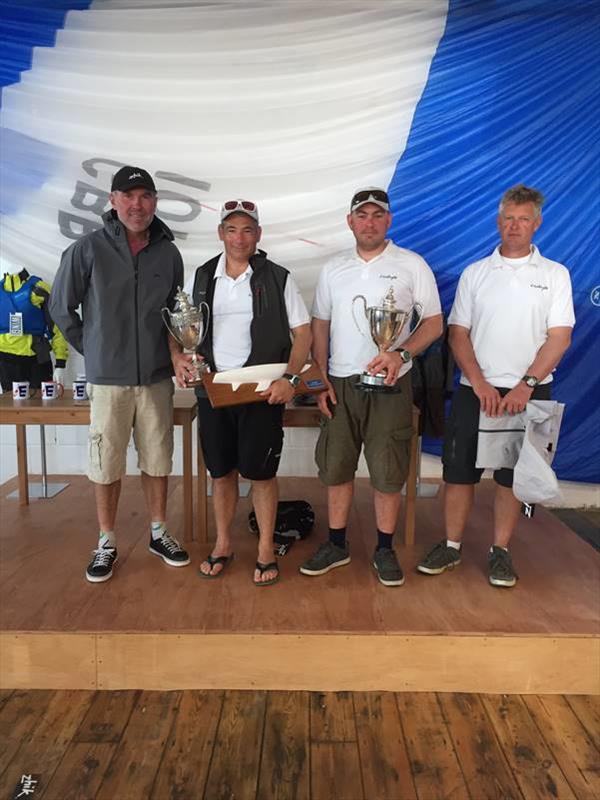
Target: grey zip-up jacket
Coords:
[[119, 328]]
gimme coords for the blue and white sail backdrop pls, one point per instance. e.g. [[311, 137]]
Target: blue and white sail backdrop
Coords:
[[295, 104]]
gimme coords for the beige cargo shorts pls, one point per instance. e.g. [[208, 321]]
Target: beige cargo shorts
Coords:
[[116, 411]]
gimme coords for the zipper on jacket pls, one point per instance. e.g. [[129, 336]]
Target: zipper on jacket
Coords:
[[137, 321]]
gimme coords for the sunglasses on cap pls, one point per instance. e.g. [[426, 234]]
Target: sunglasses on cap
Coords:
[[241, 205], [377, 196]]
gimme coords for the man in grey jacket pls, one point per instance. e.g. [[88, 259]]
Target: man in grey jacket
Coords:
[[121, 276]]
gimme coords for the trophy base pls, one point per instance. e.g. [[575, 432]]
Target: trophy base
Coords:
[[192, 383], [375, 383]]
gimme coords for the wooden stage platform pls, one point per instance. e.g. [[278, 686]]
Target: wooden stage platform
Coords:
[[155, 627]]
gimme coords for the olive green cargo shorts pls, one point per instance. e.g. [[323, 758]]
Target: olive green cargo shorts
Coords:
[[380, 421]]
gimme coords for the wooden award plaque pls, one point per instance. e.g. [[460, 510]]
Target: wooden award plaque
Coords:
[[222, 394]]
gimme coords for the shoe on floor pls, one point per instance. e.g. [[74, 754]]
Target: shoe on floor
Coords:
[[100, 567], [224, 561], [327, 557], [439, 558], [501, 571], [169, 550], [386, 565], [262, 568]]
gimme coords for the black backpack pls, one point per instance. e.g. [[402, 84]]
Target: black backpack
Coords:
[[295, 520]]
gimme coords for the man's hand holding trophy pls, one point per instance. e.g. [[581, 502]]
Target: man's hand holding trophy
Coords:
[[386, 323], [188, 325]]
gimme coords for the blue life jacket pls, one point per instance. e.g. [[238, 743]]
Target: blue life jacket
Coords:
[[34, 321]]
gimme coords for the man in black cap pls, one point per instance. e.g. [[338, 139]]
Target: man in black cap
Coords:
[[121, 276]]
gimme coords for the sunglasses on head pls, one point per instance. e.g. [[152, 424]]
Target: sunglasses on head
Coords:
[[244, 205], [375, 194]]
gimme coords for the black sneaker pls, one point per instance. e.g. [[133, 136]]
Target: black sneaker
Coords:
[[438, 559], [501, 572], [327, 557], [385, 563], [169, 550], [100, 567]]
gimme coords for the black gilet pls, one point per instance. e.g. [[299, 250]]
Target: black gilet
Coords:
[[269, 329]]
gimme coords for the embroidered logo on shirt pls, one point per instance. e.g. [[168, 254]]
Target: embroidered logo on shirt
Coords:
[[389, 277], [539, 286]]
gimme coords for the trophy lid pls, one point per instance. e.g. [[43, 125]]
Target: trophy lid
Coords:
[[389, 301], [182, 301]]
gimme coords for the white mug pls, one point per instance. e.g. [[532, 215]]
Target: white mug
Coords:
[[21, 390], [80, 390], [51, 390]]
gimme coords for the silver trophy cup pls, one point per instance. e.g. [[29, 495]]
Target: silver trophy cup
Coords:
[[188, 325], [386, 323]]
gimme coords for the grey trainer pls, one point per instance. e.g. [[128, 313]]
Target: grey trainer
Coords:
[[439, 558], [327, 557], [501, 569], [385, 563]]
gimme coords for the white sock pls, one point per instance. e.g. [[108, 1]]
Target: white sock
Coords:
[[107, 539], [500, 546], [158, 529], [453, 544]]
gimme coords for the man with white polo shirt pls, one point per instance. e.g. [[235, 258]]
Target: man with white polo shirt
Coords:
[[381, 421], [510, 325], [257, 316]]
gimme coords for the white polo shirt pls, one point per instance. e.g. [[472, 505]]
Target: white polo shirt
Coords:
[[508, 305], [347, 275], [232, 314]]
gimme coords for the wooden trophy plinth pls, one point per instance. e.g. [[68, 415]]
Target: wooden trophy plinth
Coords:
[[223, 394]]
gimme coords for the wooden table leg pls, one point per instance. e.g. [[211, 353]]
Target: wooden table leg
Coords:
[[188, 499], [201, 501], [22, 465], [411, 483]]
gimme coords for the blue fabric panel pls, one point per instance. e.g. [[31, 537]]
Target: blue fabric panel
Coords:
[[25, 25], [512, 97]]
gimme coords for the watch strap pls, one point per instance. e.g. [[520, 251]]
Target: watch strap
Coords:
[[293, 379], [530, 380]]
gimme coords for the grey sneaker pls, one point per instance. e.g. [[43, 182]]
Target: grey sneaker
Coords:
[[385, 563], [327, 557], [501, 572], [439, 558]]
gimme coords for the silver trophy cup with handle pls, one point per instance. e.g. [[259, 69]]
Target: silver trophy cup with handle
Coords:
[[386, 323], [188, 325]]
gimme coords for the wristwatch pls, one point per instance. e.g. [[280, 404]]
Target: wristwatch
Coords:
[[293, 379], [530, 380], [405, 355]]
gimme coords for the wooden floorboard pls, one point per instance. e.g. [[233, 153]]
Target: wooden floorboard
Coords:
[[198, 745], [147, 596]]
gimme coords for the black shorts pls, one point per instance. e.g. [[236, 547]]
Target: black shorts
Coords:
[[459, 454], [248, 438]]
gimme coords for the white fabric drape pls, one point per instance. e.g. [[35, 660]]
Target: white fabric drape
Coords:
[[292, 104]]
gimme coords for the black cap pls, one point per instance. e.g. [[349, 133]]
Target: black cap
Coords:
[[130, 178]]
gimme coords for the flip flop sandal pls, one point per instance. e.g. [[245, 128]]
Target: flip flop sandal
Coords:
[[212, 560], [262, 568]]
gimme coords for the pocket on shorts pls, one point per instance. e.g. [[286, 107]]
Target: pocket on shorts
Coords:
[[398, 456], [321, 445], [95, 452]]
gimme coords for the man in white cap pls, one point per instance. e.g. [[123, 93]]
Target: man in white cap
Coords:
[[257, 316], [381, 421]]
